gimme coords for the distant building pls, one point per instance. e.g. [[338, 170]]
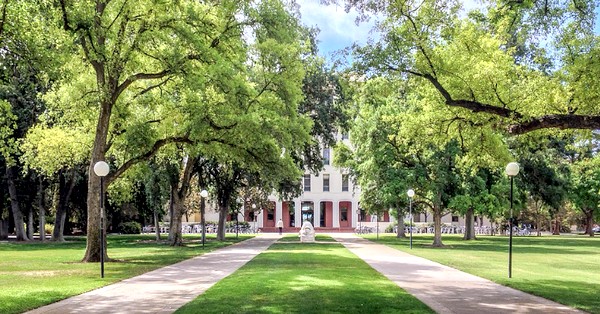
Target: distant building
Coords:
[[330, 201]]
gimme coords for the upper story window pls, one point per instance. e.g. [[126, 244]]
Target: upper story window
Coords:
[[326, 156], [307, 183], [325, 183], [345, 182]]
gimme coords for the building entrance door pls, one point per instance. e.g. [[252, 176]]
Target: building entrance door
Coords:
[[308, 212]]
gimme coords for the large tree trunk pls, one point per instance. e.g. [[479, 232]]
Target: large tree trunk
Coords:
[[42, 210], [589, 219], [156, 225], [3, 229], [178, 201], [30, 223], [556, 226], [437, 222], [65, 189], [470, 224], [222, 218], [14, 205], [171, 236], [175, 236], [400, 233]]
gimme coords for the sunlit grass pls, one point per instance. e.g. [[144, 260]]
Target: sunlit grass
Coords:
[[35, 274], [565, 269], [306, 278]]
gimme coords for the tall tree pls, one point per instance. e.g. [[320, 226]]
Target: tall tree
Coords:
[[585, 191], [518, 66], [139, 73]]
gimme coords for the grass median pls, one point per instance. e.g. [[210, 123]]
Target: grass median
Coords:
[[35, 274], [565, 269], [293, 277]]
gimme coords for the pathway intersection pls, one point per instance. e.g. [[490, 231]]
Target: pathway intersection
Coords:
[[444, 289]]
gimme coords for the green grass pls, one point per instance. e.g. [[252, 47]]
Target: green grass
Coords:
[[565, 269], [305, 278], [35, 274]]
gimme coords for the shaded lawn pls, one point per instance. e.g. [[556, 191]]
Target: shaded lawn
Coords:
[[565, 269], [305, 278], [35, 274]]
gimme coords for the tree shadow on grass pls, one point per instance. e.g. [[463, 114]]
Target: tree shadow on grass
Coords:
[[544, 245]]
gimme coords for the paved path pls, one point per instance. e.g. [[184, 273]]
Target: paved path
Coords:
[[445, 289], [166, 289]]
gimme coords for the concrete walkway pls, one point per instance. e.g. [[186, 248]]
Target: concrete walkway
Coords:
[[166, 289], [445, 289]]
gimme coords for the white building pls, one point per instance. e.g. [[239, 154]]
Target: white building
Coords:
[[329, 201]]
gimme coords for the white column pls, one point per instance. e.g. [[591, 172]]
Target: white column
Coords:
[[259, 218], [317, 213], [278, 210], [354, 213], [297, 213], [336, 214]]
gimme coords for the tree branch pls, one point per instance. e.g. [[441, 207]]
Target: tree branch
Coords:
[[139, 76], [558, 121], [3, 17], [160, 143]]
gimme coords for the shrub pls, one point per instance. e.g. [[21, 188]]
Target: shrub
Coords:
[[48, 228], [130, 227], [241, 224], [390, 227]]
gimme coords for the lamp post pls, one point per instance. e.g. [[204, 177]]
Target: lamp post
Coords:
[[255, 217], [411, 194], [512, 169], [237, 213], [358, 225], [203, 196], [101, 169]]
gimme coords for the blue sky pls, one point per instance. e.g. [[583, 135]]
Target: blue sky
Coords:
[[339, 30]]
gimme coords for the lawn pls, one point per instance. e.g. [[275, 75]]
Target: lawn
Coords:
[[565, 269], [35, 274], [293, 277]]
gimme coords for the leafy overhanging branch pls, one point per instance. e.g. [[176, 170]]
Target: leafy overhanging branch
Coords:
[[558, 121]]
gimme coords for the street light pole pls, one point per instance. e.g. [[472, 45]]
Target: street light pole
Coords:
[[255, 217], [411, 194], [203, 196], [512, 169], [237, 213], [101, 169]]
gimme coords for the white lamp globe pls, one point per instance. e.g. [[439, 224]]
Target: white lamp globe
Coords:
[[101, 169], [410, 193], [512, 169], [253, 206], [204, 193]]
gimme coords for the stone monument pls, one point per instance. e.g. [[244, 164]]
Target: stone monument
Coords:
[[307, 232]]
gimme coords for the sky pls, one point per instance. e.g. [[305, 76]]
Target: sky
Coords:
[[338, 28]]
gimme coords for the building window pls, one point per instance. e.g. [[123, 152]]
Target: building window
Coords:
[[307, 183], [325, 183], [344, 214], [270, 215], [344, 183], [326, 156], [454, 218]]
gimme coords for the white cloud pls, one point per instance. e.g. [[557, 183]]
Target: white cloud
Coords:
[[338, 28]]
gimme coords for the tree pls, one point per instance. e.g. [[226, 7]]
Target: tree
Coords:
[[22, 78], [585, 190], [519, 66], [139, 73]]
